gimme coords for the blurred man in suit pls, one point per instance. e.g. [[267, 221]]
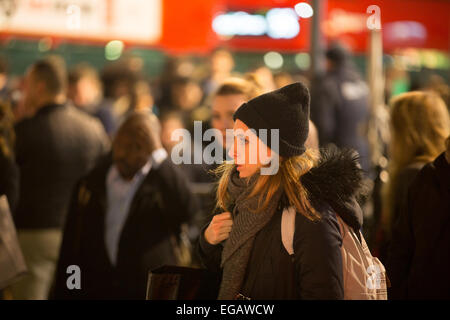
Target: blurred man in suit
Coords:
[[124, 216]]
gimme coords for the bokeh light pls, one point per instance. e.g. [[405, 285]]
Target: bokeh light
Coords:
[[304, 10], [113, 50], [273, 60]]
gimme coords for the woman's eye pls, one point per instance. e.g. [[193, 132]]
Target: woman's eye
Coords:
[[242, 140]]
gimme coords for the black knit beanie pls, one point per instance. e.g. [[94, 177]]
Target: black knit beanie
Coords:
[[286, 109]]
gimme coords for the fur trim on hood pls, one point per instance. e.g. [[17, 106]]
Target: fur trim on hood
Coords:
[[337, 180]]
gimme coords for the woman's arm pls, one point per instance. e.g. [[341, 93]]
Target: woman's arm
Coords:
[[318, 259]]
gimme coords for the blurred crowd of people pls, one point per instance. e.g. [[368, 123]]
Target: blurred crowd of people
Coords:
[[85, 164]]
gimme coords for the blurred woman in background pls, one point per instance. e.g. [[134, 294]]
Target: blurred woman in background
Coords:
[[419, 126]]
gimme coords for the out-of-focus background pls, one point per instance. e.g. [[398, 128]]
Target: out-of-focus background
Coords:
[[415, 34]]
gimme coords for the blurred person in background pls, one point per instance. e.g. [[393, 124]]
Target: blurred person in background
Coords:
[[85, 88], [282, 79], [437, 84], [419, 256], [187, 99], [3, 79], [9, 172], [196, 174], [221, 66], [186, 94], [265, 78], [139, 98], [124, 216], [118, 81], [419, 126], [340, 105], [174, 68], [55, 146], [396, 82], [170, 121], [142, 98]]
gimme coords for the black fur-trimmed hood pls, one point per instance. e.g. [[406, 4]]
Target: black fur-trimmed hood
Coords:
[[337, 180]]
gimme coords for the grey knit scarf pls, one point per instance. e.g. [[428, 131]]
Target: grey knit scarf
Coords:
[[246, 224]]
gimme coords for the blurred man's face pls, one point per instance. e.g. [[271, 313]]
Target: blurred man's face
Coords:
[[329, 65], [168, 127], [131, 151], [187, 96], [222, 62], [84, 93], [223, 108]]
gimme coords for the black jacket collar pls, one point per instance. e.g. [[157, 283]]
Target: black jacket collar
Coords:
[[48, 108]]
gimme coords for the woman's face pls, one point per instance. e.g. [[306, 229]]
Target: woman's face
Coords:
[[248, 151], [223, 108]]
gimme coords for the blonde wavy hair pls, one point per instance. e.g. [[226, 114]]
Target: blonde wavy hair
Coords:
[[420, 124], [288, 178]]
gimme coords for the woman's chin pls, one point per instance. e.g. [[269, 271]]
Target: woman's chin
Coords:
[[245, 172]]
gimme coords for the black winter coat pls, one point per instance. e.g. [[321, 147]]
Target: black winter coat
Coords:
[[419, 259], [315, 270], [54, 149], [161, 204], [400, 195]]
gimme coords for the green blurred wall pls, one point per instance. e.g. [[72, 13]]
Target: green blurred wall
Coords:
[[20, 54]]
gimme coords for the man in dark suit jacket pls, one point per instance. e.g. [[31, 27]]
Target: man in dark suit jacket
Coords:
[[123, 216], [55, 147]]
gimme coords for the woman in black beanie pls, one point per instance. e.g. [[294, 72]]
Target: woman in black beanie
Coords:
[[244, 241]]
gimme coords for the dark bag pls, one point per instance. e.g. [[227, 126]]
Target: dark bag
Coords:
[[12, 263], [182, 283]]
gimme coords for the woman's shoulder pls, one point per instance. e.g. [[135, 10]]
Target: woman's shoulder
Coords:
[[321, 237], [326, 222]]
